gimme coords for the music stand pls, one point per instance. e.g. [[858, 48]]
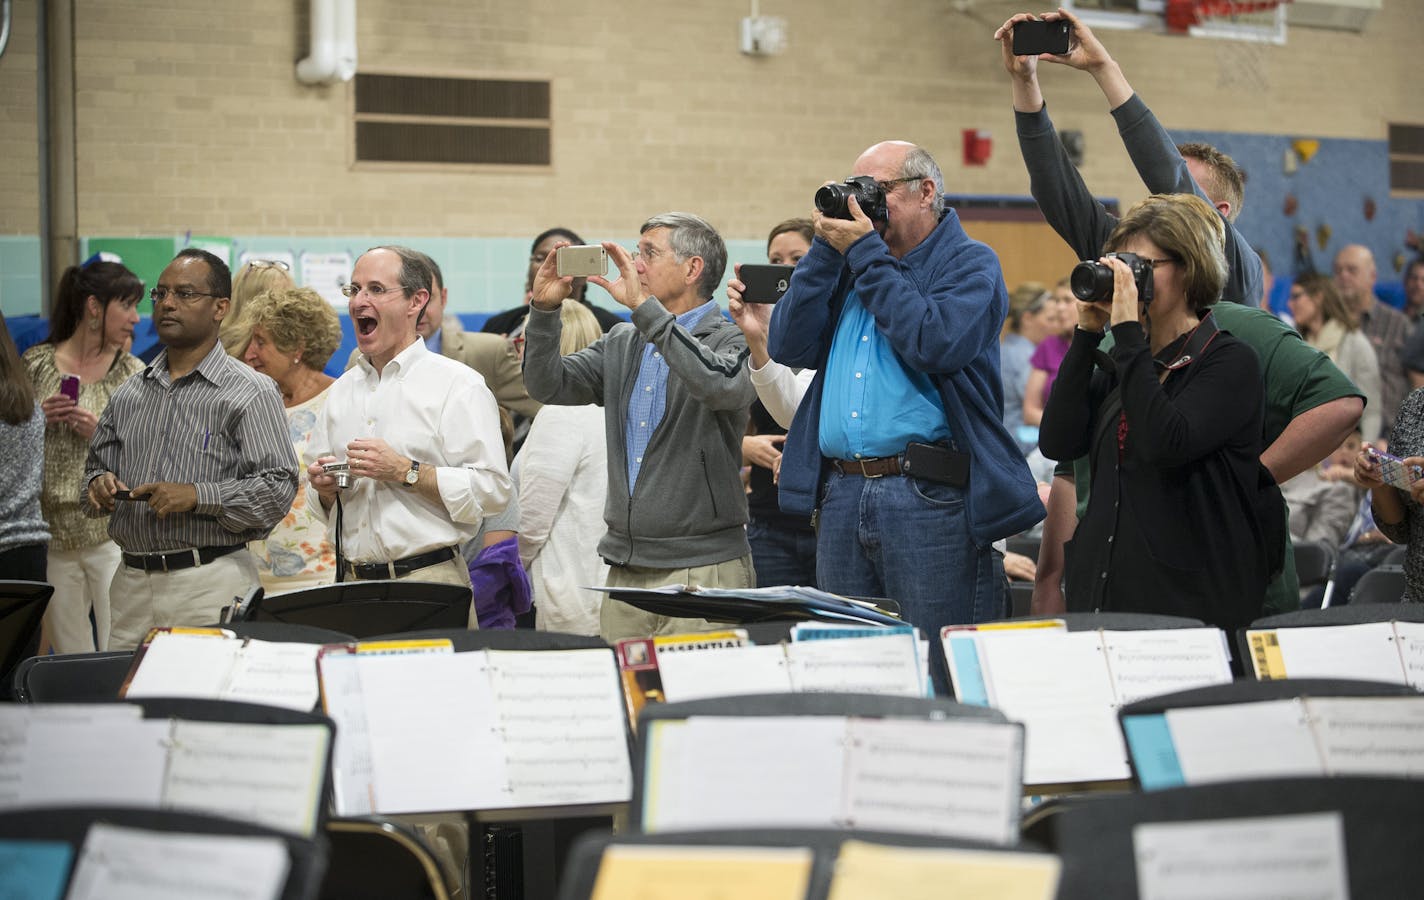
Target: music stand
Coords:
[[367, 608]]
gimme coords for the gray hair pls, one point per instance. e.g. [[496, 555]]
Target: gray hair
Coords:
[[416, 272], [919, 164], [690, 236]]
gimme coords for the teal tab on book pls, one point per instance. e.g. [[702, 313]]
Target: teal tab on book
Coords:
[[1154, 756], [34, 870], [968, 675]]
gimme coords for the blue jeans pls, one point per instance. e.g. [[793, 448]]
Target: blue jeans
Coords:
[[782, 555], [907, 539]]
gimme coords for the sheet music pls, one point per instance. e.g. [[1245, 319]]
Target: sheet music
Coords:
[[1151, 663], [352, 775], [730, 771], [865, 871], [91, 756], [724, 672], [268, 774], [665, 872], [954, 777], [1370, 735], [1244, 740], [564, 733], [276, 675], [15, 722], [1268, 858], [1058, 685], [1410, 637], [1367, 652], [119, 863], [868, 665], [185, 665], [434, 739]]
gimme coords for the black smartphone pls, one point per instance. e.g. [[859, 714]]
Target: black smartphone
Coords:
[[1036, 36], [765, 283], [125, 495]]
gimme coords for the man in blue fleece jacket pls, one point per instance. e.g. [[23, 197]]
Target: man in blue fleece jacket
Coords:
[[899, 445]]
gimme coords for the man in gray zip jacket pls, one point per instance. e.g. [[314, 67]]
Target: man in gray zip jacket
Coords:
[[675, 392]]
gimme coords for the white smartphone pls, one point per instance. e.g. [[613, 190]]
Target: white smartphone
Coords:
[[581, 261]]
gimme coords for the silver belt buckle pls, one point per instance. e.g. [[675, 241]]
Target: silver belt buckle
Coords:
[[866, 474]]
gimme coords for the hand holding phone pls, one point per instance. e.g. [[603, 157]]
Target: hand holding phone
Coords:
[[69, 386], [1036, 36], [581, 261], [1393, 471], [764, 283]]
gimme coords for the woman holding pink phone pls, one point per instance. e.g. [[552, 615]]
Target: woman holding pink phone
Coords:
[[76, 370]]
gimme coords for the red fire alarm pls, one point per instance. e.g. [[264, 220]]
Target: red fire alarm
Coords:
[[978, 144]]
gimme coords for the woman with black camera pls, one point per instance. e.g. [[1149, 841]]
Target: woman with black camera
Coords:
[[1182, 518]]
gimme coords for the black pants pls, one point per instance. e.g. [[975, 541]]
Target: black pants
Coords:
[[26, 562]]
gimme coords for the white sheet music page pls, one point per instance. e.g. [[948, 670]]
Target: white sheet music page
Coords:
[[1150, 663], [744, 771], [268, 774], [119, 863], [185, 665], [1410, 640], [1370, 735], [1272, 739], [435, 741], [275, 674], [352, 776], [867, 665], [89, 756], [1268, 858], [15, 719], [724, 672], [958, 778], [1367, 652], [1057, 684], [564, 732]]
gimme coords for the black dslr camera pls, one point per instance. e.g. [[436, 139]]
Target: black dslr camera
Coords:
[[833, 200], [1093, 280]]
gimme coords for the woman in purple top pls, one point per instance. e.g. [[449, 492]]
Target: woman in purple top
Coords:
[[1048, 355]]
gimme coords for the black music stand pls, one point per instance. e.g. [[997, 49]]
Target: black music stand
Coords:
[[366, 608]]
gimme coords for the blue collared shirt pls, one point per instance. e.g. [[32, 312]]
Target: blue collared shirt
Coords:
[[872, 404], [649, 397], [433, 344]]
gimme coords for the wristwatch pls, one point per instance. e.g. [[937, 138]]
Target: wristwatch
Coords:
[[413, 474]]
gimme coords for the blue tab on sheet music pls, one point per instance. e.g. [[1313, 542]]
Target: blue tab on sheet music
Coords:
[[35, 870], [1149, 742], [819, 631], [969, 683]]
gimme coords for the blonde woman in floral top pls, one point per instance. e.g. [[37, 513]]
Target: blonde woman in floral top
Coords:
[[95, 311], [290, 335]]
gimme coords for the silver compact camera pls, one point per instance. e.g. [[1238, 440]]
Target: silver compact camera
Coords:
[[341, 472]]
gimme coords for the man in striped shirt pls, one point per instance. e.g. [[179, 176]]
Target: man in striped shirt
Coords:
[[191, 460]]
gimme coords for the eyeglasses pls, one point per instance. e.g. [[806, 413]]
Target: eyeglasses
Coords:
[[648, 255], [374, 291], [159, 294], [270, 264], [1159, 262], [889, 186]]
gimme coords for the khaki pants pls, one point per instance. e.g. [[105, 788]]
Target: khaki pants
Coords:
[[619, 620], [142, 600], [81, 580], [451, 571]]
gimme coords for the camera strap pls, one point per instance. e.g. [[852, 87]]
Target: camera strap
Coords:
[[1178, 356]]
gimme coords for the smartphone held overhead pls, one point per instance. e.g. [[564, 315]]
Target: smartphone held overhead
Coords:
[[1037, 36], [581, 261]]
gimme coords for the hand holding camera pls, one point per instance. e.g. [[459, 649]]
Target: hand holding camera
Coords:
[[1121, 279], [841, 218], [322, 475]]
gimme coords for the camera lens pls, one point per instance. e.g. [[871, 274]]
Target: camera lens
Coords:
[[834, 200], [1091, 281]]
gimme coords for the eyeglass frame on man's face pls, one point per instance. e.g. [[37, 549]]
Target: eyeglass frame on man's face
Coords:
[[352, 290], [186, 297], [889, 185]]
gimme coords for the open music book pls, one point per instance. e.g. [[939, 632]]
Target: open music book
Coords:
[[1308, 736], [952, 777], [491, 729], [118, 863], [210, 663], [88, 755], [1376, 651], [1066, 687]]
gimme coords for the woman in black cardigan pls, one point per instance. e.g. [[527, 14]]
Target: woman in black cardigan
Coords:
[[1182, 518]]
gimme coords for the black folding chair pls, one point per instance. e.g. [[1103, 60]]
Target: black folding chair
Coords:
[[307, 856], [72, 677], [22, 607], [1382, 584], [1315, 565], [367, 608]]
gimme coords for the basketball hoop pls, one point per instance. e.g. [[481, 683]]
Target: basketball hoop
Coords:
[[1183, 15], [1243, 30]]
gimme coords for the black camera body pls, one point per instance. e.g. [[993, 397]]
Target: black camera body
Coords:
[[1092, 280], [833, 200]]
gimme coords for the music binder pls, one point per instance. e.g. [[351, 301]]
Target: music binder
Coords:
[[746, 605], [215, 664], [1374, 651]]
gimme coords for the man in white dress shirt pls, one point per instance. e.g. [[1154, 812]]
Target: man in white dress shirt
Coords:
[[420, 432]]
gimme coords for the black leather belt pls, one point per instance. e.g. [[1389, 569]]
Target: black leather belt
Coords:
[[178, 559], [875, 467], [399, 567]]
